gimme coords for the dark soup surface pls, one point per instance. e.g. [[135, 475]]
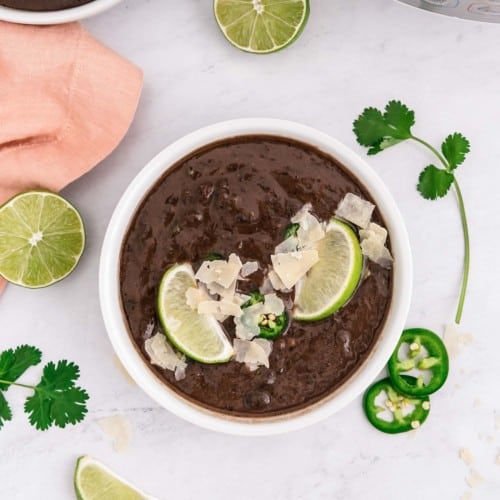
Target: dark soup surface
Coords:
[[237, 196], [43, 5]]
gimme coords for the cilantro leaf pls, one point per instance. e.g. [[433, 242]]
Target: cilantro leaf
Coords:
[[370, 127], [5, 411], [59, 377], [455, 148], [400, 118], [69, 407], [434, 182], [56, 400], [379, 131], [38, 409], [14, 363]]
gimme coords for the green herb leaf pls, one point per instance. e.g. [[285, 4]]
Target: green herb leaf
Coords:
[[455, 148], [5, 411], [434, 182], [69, 407], [400, 118], [56, 400], [60, 377], [379, 131], [38, 409], [14, 363]]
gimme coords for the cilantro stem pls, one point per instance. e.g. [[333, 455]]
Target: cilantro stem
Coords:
[[433, 149], [17, 384], [465, 228], [465, 277]]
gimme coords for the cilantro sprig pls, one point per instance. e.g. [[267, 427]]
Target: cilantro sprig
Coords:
[[379, 130], [55, 399]]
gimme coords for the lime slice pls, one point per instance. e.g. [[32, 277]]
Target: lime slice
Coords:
[[332, 281], [261, 26], [94, 481], [41, 239], [199, 336]]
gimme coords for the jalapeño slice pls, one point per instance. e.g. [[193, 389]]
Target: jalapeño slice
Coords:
[[270, 325], [405, 412], [426, 351]]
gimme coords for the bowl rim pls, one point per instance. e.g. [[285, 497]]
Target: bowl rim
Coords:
[[109, 287], [56, 16]]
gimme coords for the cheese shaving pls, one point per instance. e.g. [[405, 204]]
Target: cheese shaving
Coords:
[[291, 267], [253, 353], [275, 281], [221, 272], [310, 232], [374, 231], [219, 307], [196, 295], [375, 250], [118, 428], [356, 210], [301, 214], [249, 268], [289, 245], [162, 354]]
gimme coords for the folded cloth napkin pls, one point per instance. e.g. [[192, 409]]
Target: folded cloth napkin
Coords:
[[66, 102]]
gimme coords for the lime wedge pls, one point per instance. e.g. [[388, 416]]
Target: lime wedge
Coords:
[[41, 239], [199, 336], [261, 26], [94, 481], [334, 278]]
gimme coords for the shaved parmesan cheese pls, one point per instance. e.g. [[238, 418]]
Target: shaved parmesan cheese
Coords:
[[196, 295], [289, 245], [247, 325], [310, 232], [222, 307], [162, 354], [118, 428], [374, 231], [224, 293], [377, 252], [273, 304], [241, 298], [249, 268], [291, 267], [219, 271], [356, 210], [253, 353], [275, 282], [301, 214]]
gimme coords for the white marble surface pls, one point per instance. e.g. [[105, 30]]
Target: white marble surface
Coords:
[[353, 53]]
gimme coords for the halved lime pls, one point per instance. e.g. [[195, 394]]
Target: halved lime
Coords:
[[199, 336], [94, 481], [334, 278], [41, 239], [261, 26]]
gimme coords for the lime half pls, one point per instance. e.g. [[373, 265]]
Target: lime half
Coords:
[[41, 239], [261, 26], [199, 336], [334, 278], [94, 481]]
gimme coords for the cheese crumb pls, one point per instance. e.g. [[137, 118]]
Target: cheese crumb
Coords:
[[455, 340], [291, 267], [466, 456], [356, 210], [162, 354], [474, 478], [118, 428]]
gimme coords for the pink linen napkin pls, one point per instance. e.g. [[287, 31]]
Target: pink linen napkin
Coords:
[[66, 102]]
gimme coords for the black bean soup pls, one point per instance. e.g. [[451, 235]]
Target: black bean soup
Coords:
[[238, 196]]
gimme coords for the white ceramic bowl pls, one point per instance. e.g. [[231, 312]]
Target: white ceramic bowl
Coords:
[[109, 287], [56, 16]]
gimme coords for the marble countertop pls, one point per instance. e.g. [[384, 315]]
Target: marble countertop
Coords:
[[352, 54]]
